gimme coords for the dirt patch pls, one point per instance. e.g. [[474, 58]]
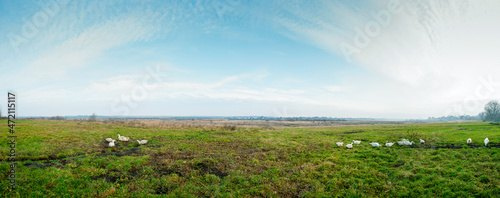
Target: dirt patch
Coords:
[[206, 168], [355, 131], [106, 178], [161, 191], [460, 146], [168, 171], [40, 165], [113, 175], [122, 153], [399, 164]]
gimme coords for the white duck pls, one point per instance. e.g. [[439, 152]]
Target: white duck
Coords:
[[339, 144], [112, 143], [123, 138], [486, 141], [356, 141], [142, 142], [349, 146], [109, 139], [389, 144], [375, 144], [469, 141], [422, 141], [408, 143]]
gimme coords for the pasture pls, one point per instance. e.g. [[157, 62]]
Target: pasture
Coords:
[[72, 158]]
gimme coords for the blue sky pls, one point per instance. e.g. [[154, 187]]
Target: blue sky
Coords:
[[382, 59]]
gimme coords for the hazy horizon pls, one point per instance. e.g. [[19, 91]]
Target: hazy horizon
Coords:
[[369, 59]]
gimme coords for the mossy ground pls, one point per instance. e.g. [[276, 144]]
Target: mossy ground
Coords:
[[71, 158]]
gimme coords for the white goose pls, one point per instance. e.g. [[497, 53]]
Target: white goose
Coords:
[[109, 139], [349, 146], [356, 141], [469, 141], [123, 138], [112, 143], [375, 144], [403, 142], [389, 144], [422, 141], [408, 143], [486, 141], [340, 144], [142, 142]]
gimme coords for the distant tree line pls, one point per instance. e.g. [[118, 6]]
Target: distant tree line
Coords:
[[57, 118], [450, 118]]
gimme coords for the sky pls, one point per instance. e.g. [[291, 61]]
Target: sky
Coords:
[[359, 59]]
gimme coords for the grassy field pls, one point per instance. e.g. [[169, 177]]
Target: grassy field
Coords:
[[71, 158]]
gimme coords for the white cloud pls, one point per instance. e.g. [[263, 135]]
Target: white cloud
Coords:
[[436, 50], [81, 50], [334, 88]]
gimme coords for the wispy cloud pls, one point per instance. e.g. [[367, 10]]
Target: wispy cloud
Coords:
[[439, 46]]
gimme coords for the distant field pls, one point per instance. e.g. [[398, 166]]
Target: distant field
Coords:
[[64, 158]]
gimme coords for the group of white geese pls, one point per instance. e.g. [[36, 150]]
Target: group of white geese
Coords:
[[403, 142], [123, 139]]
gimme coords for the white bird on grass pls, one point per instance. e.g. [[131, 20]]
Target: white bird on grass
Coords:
[[349, 146], [339, 144], [142, 142], [109, 139], [375, 144], [356, 141], [123, 138], [112, 143], [389, 144], [403, 142], [486, 141], [469, 141], [422, 141]]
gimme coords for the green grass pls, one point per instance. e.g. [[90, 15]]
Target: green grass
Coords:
[[256, 162]]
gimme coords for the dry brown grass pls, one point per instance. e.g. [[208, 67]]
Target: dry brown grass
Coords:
[[208, 125], [230, 125]]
